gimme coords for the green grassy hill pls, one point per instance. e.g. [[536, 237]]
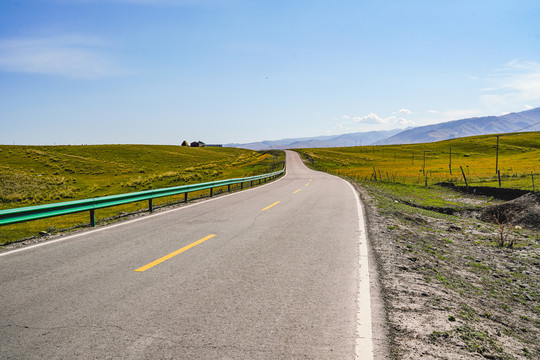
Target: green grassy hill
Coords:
[[34, 175], [519, 155]]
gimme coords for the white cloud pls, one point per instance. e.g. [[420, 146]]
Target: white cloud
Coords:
[[346, 117], [404, 122], [512, 86], [72, 56], [405, 112], [528, 107], [433, 112], [372, 118]]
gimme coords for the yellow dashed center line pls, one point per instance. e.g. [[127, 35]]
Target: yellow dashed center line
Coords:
[[167, 257], [307, 184], [297, 191], [269, 206]]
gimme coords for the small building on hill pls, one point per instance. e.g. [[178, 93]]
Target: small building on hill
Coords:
[[185, 143], [197, 144]]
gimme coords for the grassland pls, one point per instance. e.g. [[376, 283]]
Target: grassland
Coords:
[[34, 175], [519, 156]]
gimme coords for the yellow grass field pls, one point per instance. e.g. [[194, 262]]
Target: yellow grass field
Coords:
[[518, 161]]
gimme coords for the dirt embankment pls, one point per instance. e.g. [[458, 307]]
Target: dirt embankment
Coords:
[[523, 211], [450, 291]]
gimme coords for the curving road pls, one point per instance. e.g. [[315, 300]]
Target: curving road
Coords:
[[276, 272]]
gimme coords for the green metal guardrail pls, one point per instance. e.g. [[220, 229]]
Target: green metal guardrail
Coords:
[[12, 216]]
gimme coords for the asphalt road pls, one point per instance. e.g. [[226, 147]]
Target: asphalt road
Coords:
[[277, 272]]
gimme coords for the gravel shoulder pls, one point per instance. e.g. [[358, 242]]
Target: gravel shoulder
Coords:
[[448, 290]]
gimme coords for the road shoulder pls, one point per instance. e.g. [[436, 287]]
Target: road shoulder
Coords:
[[379, 318]]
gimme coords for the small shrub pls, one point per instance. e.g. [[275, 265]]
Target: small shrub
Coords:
[[503, 238]]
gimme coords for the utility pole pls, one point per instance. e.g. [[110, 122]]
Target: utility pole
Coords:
[[424, 167], [497, 156], [450, 164]]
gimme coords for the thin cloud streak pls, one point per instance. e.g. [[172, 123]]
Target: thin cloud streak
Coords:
[[518, 82], [71, 56]]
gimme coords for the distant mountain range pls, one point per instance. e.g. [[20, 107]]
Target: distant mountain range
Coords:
[[523, 121], [352, 139]]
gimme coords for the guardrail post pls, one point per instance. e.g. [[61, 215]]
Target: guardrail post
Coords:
[[185, 197], [92, 218], [150, 206], [241, 186], [211, 192], [229, 187], [251, 183]]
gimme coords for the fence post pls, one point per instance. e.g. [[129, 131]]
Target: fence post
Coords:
[[464, 177], [499, 175], [532, 176], [92, 218]]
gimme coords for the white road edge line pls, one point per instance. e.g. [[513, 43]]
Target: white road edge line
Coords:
[[146, 217], [364, 332]]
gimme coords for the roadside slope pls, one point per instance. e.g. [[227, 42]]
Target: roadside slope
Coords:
[[449, 290]]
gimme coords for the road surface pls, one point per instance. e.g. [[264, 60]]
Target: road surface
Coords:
[[276, 272]]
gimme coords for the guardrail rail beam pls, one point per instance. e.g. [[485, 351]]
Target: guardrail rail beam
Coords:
[[17, 215]]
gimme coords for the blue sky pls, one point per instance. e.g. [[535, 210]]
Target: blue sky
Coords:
[[221, 71]]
